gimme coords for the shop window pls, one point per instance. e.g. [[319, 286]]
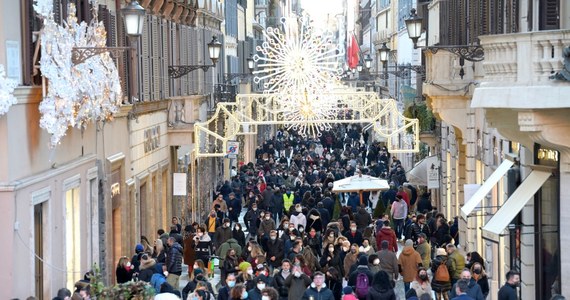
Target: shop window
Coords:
[[72, 236]]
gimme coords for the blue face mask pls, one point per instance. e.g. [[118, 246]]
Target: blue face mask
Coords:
[[231, 283], [195, 298], [244, 295]]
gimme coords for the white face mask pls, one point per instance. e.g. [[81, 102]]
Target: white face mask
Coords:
[[250, 271], [261, 286], [297, 274], [376, 261], [265, 298]]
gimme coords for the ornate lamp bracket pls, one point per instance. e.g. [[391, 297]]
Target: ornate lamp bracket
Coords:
[[179, 71], [470, 53], [81, 54]]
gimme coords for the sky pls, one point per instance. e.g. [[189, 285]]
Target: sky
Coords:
[[321, 9]]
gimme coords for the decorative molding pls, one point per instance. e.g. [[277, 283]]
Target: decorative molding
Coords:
[[72, 182], [92, 173], [41, 195], [116, 157]]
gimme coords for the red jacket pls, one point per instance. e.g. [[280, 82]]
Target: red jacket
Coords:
[[387, 234]]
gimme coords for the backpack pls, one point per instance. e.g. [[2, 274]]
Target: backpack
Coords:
[[442, 273], [362, 285]]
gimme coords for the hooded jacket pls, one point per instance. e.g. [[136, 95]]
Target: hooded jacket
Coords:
[[174, 259], [408, 262], [387, 234], [474, 291], [380, 294], [222, 235]]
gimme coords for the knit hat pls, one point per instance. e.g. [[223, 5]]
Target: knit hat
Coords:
[[409, 243], [347, 290], [139, 248], [440, 251], [243, 266], [363, 260], [198, 272], [385, 244]]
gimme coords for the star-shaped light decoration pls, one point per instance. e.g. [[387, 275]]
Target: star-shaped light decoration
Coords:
[[296, 70]]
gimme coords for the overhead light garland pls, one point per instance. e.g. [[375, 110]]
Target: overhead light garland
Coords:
[[296, 68], [7, 86], [76, 94]]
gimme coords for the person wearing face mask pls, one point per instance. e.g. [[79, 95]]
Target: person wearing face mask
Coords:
[[422, 283], [314, 241], [374, 263], [246, 275], [203, 244], [350, 259], [261, 283], [275, 250], [238, 234], [251, 220], [239, 292], [199, 282], [224, 291], [473, 289], [318, 289], [509, 290], [223, 233], [279, 279], [267, 224], [229, 264], [479, 275], [269, 293], [353, 235], [366, 248], [283, 228], [297, 217], [297, 283]]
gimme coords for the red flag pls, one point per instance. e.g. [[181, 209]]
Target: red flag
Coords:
[[352, 53]]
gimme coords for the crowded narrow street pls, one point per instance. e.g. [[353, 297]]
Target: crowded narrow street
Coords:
[[284, 149]]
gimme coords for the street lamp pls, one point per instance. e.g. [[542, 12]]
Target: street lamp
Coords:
[[359, 68], [384, 52], [414, 27], [368, 62], [214, 50], [134, 15], [250, 63]]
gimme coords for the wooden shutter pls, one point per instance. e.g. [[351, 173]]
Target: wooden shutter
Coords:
[[549, 14], [144, 66], [174, 58], [164, 59], [156, 58], [184, 58], [122, 63], [194, 58]]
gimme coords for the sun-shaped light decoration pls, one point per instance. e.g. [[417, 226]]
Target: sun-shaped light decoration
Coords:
[[297, 69]]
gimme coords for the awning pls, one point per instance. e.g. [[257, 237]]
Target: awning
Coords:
[[359, 183], [419, 173], [487, 186], [511, 208]]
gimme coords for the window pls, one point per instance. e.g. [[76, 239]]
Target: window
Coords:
[[72, 236], [549, 14]]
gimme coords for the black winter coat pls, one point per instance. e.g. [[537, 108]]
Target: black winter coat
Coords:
[[279, 284], [174, 259], [374, 294], [275, 248]]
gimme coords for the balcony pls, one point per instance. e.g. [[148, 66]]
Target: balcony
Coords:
[[517, 68], [524, 58]]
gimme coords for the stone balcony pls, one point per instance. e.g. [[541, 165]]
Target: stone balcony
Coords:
[[524, 58]]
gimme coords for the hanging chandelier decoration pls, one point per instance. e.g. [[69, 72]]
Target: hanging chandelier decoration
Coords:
[[297, 67], [7, 86], [77, 94]]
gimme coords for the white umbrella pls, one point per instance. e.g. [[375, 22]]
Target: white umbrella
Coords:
[[359, 183]]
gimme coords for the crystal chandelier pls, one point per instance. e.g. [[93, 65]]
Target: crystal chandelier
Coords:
[[76, 94], [7, 87]]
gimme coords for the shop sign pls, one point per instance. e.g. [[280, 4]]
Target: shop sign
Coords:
[[547, 154]]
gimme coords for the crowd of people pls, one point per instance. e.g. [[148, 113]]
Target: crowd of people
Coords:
[[300, 240]]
